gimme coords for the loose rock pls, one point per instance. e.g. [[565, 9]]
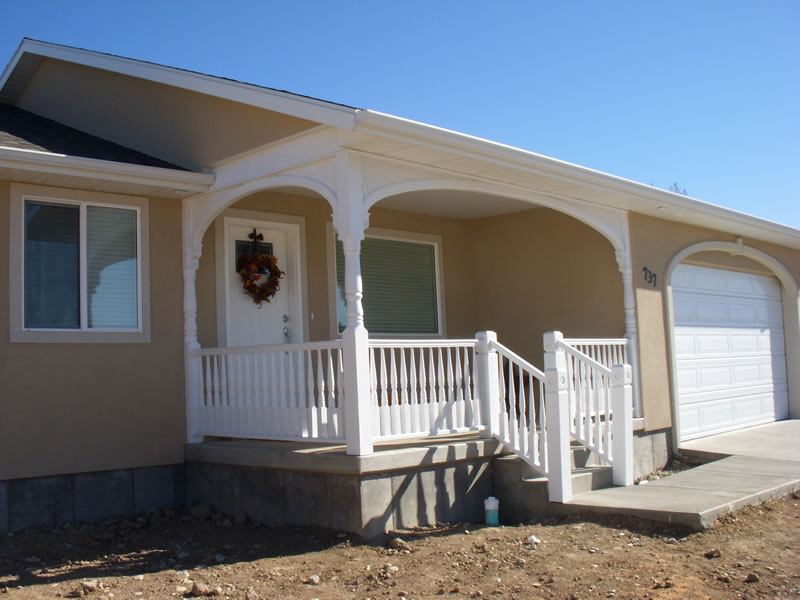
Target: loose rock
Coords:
[[201, 589], [251, 594], [752, 578], [533, 540], [314, 580], [399, 544]]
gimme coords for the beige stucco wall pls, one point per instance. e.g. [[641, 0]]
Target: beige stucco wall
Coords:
[[187, 128], [654, 243], [541, 270], [68, 408], [513, 274]]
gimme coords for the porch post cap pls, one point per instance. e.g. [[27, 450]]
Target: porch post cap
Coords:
[[621, 374], [551, 338], [483, 339]]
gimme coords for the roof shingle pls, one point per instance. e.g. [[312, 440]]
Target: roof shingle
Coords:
[[24, 130]]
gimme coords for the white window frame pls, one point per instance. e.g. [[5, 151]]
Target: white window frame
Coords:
[[20, 193], [398, 236]]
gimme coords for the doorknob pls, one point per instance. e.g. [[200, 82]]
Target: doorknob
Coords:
[[285, 318], [286, 332]]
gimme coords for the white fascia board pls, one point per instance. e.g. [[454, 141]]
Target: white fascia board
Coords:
[[12, 64], [59, 164], [244, 93], [647, 199]]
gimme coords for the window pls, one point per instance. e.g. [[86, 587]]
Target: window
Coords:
[[78, 266], [400, 286]]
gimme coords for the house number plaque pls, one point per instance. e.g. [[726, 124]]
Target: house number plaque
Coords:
[[649, 276]]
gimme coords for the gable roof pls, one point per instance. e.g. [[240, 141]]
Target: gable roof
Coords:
[[30, 53], [23, 130]]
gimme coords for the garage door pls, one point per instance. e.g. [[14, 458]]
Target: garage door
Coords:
[[729, 350]]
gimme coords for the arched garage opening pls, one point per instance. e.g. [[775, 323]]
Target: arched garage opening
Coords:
[[733, 323]]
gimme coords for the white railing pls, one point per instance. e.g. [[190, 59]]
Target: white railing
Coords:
[[284, 392], [608, 352], [422, 387], [522, 422], [592, 403], [589, 385]]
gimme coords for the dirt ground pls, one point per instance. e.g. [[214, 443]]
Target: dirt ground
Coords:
[[750, 554]]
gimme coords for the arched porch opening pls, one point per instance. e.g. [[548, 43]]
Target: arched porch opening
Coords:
[[301, 218], [508, 265]]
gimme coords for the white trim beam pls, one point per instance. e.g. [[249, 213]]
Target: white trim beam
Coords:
[[61, 164]]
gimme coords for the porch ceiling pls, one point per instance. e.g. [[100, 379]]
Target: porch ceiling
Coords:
[[454, 204]]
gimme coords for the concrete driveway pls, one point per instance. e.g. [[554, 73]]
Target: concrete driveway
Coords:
[[749, 467], [779, 440]]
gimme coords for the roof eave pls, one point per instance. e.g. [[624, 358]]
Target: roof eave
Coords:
[[59, 164], [646, 197]]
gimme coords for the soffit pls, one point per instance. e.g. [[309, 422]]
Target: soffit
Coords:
[[187, 128]]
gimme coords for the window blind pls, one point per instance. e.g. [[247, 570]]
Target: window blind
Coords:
[[399, 280], [111, 268]]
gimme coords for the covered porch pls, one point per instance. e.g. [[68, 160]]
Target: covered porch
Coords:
[[520, 264]]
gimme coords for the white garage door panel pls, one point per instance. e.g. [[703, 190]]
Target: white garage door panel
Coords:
[[729, 350]]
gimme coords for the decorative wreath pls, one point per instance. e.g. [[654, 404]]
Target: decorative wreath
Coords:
[[260, 276]]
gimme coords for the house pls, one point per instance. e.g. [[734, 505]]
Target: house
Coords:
[[426, 277]]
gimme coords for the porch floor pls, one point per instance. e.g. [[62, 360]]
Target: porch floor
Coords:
[[745, 474], [330, 458]]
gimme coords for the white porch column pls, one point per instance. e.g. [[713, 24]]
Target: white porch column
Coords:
[[625, 262], [192, 366], [350, 220]]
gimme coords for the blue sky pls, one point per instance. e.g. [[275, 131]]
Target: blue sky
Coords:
[[705, 94]]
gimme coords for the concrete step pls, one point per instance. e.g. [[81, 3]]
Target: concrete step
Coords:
[[524, 491], [584, 479], [583, 457]]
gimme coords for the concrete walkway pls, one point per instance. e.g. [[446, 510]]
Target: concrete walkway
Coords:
[[748, 474]]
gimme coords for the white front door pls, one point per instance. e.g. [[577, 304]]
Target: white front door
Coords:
[[278, 321]]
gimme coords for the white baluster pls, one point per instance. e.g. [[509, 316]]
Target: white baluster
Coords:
[[413, 399], [458, 388], [424, 396], [433, 405], [394, 399], [331, 400], [450, 407], [386, 424], [322, 394], [513, 430], [471, 408], [402, 397]]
